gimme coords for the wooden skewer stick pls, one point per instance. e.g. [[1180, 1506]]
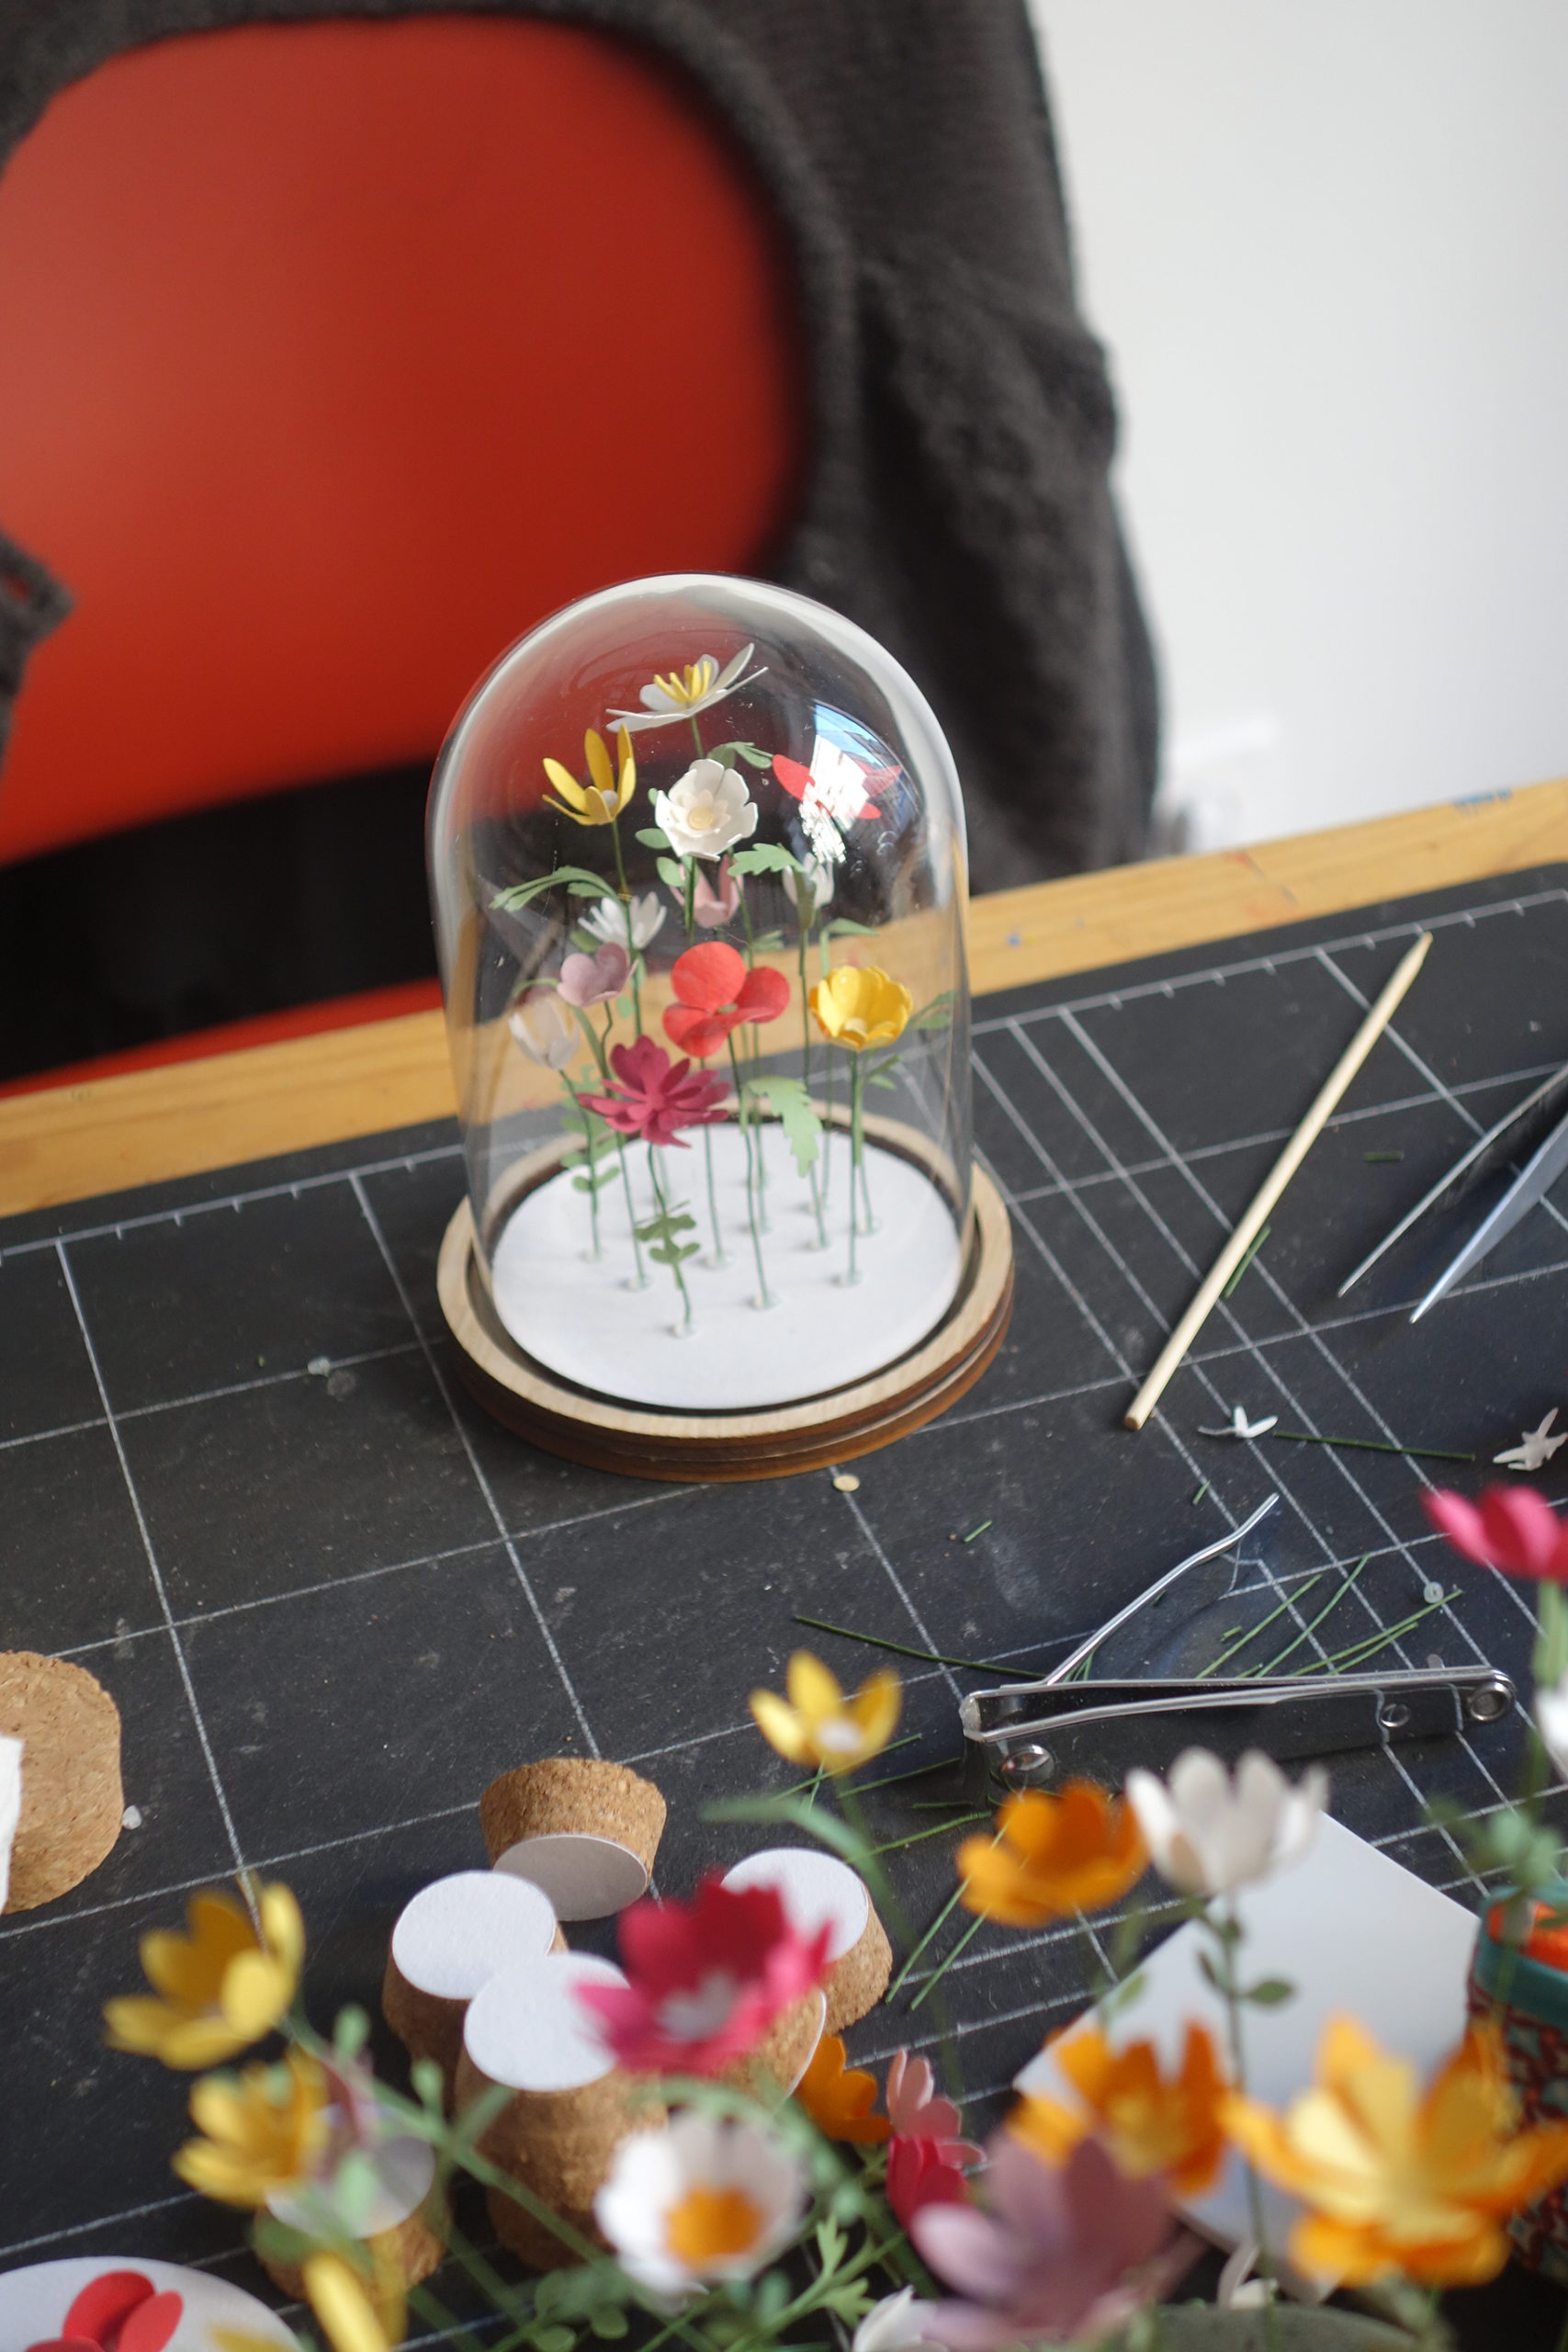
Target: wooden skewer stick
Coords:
[[1285, 1167]]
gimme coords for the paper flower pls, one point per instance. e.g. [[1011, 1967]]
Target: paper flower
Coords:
[[654, 1097], [1515, 1529], [1209, 1835], [119, 2311], [707, 812], [631, 923], [715, 993], [1396, 2179], [700, 2200], [818, 1724], [1066, 2252], [265, 2132], [222, 1985], [858, 1005], [357, 2314], [594, 979], [817, 879], [1240, 1426], [840, 2099], [682, 694], [1052, 1855], [893, 2324], [713, 909], [704, 1979], [601, 800], [1535, 1449], [1150, 2122], [543, 1029], [921, 2173], [918, 2114]]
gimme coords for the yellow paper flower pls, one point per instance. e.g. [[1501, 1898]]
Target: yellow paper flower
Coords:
[[265, 2130], [1052, 1855], [818, 1724], [1147, 2121], [222, 1985], [859, 1006], [1396, 2179], [601, 800], [840, 2099], [357, 2314]]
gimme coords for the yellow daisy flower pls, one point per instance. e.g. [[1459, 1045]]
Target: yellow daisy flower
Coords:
[[601, 800], [859, 1005], [818, 1724], [1148, 2121], [265, 2132], [220, 1986], [1052, 1855]]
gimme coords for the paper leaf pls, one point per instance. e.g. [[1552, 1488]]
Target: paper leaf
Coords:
[[1269, 1995], [937, 1015], [842, 927], [522, 894], [880, 1078], [747, 752], [765, 857], [665, 1226], [671, 875], [652, 837], [790, 1103]]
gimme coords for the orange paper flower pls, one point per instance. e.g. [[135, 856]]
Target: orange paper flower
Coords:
[[1052, 1855], [1147, 2121], [1396, 2179], [840, 2099]]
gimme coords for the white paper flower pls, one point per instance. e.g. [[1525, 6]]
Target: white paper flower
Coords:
[[631, 926], [1551, 1721], [543, 1027], [1535, 1449], [1240, 1426], [707, 812], [818, 881], [681, 694], [893, 2324], [1209, 1835], [698, 2201]]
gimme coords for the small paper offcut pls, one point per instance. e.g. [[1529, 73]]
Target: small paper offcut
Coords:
[[847, 1483]]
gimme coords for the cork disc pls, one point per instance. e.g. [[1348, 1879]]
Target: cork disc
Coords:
[[72, 1798]]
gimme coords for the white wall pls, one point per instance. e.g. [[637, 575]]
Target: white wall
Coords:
[[1327, 243]]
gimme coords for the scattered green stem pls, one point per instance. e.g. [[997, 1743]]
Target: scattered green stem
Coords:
[[905, 1650], [1371, 1445], [953, 1953], [1261, 1627], [1313, 1624], [1252, 1252], [1349, 1661]]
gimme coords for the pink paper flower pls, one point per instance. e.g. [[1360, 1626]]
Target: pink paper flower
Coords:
[[1065, 2253], [919, 2173], [1514, 1529], [594, 979], [654, 1097], [706, 1979], [713, 909], [915, 2114], [716, 993], [119, 2311]]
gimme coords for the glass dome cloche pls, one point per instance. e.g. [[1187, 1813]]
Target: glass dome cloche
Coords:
[[697, 861]]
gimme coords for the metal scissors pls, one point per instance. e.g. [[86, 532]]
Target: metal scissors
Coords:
[[1532, 1183]]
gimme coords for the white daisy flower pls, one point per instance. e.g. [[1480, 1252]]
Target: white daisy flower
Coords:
[[631, 926], [818, 879], [707, 812], [544, 1028], [700, 2200], [681, 694], [893, 2324], [1209, 1836]]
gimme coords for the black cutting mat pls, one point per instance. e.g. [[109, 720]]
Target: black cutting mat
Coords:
[[239, 1483]]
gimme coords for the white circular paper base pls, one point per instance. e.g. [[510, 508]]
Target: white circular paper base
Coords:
[[817, 1892], [405, 2169], [34, 2301], [527, 2029], [583, 1876], [459, 1930], [583, 1320]]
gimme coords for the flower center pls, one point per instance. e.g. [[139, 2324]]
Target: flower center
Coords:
[[692, 2017], [709, 2223], [701, 816], [838, 1735]]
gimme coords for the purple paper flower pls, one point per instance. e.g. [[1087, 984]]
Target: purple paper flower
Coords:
[[1064, 2253], [594, 979]]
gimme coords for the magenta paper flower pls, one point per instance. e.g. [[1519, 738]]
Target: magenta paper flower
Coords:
[[1065, 2253], [594, 979], [915, 2114], [713, 909], [1514, 1529], [654, 1098], [119, 2311], [706, 1979], [919, 2173]]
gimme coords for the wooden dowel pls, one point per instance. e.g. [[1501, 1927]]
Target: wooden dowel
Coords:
[[1284, 1168]]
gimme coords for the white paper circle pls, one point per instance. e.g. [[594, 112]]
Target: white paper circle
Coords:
[[459, 1930], [582, 1877], [404, 2169], [34, 2301], [821, 2001], [815, 1890], [527, 2029], [578, 1317]]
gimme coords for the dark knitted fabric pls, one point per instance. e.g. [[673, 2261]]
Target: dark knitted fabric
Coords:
[[956, 504]]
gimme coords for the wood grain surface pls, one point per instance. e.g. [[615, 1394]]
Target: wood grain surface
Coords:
[[67, 1143]]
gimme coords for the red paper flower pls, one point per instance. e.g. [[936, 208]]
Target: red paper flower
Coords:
[[119, 2311], [716, 994], [919, 2173], [706, 1979], [1514, 1529], [918, 2114], [654, 1096]]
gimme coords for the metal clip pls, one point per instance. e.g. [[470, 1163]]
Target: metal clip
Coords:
[[1098, 1730]]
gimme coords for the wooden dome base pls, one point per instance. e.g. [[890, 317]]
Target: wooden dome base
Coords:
[[645, 1442]]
